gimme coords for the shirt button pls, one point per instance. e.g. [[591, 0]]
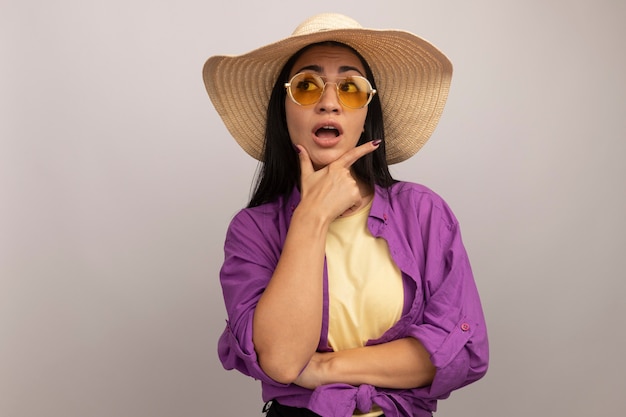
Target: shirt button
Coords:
[[465, 327]]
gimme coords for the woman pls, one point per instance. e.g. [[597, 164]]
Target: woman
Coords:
[[347, 292]]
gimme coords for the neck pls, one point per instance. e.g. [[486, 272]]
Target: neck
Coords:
[[367, 193]]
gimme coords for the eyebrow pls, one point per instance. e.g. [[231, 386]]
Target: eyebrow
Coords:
[[319, 69]]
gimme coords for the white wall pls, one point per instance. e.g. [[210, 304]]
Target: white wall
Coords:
[[117, 181]]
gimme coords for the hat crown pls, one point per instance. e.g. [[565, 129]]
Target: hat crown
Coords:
[[326, 21]]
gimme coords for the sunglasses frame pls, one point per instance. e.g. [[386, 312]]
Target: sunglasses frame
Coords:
[[370, 92]]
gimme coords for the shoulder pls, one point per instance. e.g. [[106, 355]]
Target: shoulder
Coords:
[[250, 218], [405, 189], [404, 192], [266, 220], [417, 200]]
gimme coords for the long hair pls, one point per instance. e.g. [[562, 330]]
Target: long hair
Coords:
[[279, 171]]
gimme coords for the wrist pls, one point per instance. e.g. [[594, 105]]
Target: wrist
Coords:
[[310, 218]]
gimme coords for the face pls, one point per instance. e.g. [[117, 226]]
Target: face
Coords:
[[326, 129]]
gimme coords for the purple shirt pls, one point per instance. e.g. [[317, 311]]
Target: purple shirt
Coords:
[[441, 309]]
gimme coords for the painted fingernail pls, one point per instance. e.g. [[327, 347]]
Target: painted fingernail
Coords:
[[376, 142], [295, 148]]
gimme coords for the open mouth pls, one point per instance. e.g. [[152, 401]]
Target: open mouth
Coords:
[[327, 132]]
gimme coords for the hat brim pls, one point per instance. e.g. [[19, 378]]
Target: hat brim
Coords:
[[413, 81]]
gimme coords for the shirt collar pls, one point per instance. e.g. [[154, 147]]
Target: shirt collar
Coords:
[[380, 205]]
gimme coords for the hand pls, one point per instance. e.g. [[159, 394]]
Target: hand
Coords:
[[332, 190]]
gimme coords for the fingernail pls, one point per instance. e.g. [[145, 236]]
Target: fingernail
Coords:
[[376, 142], [295, 148]]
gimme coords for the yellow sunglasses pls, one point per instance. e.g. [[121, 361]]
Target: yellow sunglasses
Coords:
[[306, 88]]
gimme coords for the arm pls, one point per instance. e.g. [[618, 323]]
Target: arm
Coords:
[[288, 317], [400, 364], [453, 329]]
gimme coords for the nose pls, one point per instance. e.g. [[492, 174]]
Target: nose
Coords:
[[329, 102]]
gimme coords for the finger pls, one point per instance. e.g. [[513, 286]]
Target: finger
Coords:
[[306, 166], [354, 154]]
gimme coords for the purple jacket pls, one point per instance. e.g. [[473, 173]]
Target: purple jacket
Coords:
[[442, 308]]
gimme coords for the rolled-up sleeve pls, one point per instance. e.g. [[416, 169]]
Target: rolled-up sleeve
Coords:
[[453, 329], [250, 256]]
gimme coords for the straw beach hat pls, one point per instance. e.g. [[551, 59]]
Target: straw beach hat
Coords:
[[412, 77]]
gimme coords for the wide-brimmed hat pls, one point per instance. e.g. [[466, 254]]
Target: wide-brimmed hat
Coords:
[[412, 79]]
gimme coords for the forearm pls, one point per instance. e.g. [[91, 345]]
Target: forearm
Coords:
[[288, 317], [400, 364]]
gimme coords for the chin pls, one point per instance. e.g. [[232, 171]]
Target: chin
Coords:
[[320, 162]]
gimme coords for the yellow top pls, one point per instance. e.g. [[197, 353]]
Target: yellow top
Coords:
[[365, 289]]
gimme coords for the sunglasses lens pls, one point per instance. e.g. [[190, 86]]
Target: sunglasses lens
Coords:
[[306, 88], [354, 92]]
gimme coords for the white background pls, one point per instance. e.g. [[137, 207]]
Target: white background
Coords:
[[118, 179]]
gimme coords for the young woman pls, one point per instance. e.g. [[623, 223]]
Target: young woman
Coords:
[[347, 292]]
